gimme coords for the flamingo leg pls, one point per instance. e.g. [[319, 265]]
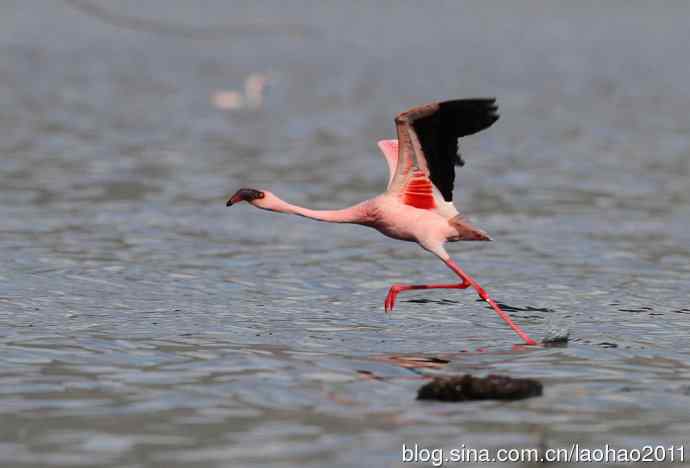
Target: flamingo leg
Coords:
[[389, 303], [485, 296], [467, 281]]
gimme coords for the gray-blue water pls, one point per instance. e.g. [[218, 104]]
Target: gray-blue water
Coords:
[[143, 323]]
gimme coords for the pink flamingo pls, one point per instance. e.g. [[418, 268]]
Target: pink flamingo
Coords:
[[417, 206]]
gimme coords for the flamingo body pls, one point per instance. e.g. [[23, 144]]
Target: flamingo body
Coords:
[[417, 205], [396, 219]]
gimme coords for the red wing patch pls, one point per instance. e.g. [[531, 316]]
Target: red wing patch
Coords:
[[419, 192]]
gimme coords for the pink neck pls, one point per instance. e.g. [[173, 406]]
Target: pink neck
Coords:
[[356, 214]]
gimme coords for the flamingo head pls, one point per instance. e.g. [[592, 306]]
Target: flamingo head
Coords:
[[251, 196]]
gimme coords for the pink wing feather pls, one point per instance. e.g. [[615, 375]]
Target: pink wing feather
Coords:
[[389, 148]]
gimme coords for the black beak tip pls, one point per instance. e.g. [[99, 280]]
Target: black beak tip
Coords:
[[248, 195]]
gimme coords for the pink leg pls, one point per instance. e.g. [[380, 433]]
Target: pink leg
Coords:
[[484, 295], [389, 303], [467, 281]]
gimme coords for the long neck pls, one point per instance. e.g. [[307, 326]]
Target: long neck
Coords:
[[356, 214]]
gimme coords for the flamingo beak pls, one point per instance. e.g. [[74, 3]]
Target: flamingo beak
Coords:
[[244, 195]]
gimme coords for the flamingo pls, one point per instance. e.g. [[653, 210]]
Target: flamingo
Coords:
[[418, 203]]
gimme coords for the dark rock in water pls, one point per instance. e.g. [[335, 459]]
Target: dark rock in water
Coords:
[[467, 387]]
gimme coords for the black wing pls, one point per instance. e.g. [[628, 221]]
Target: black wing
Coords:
[[438, 135]]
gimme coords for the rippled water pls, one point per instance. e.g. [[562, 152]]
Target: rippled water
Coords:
[[142, 323]]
